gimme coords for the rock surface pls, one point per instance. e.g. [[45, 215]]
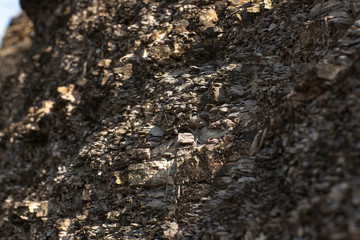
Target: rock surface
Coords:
[[180, 119]]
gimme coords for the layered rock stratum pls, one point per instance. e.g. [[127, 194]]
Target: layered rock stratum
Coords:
[[173, 119]]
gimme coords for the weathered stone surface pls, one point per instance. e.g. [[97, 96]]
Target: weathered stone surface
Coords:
[[152, 173], [178, 119], [208, 18], [185, 138]]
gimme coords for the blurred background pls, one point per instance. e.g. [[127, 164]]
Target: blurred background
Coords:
[[8, 9]]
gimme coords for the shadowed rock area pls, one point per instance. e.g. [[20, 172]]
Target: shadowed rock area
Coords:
[[199, 119]]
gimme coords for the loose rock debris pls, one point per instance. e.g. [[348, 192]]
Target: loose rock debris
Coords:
[[180, 120]]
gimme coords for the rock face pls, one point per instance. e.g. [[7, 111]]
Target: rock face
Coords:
[[181, 120]]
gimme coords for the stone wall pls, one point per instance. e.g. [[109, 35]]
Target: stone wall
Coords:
[[180, 120]]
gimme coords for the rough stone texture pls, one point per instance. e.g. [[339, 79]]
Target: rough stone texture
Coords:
[[181, 120], [185, 138]]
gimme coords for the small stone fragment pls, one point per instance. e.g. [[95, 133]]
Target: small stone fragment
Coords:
[[185, 138], [143, 153]]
